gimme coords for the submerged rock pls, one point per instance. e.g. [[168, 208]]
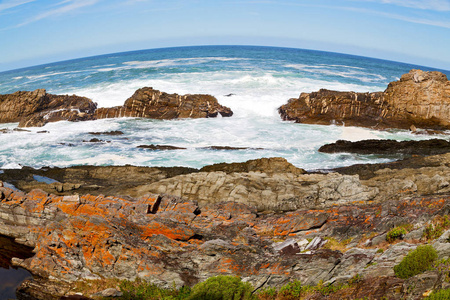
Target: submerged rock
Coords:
[[160, 147], [419, 99]]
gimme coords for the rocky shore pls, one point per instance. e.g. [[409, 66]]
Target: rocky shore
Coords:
[[264, 220], [37, 108]]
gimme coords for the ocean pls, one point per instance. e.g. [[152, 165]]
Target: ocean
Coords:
[[260, 80]]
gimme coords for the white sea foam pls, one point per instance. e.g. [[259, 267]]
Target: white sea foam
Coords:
[[40, 76], [357, 134], [359, 74]]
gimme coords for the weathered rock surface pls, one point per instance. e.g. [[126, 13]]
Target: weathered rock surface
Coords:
[[37, 108], [279, 192], [167, 240], [389, 147], [420, 99], [149, 103]]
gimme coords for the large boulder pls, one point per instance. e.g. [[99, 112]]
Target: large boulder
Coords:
[[420, 99], [149, 103]]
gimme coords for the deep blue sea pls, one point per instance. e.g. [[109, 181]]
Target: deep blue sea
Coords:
[[261, 79]]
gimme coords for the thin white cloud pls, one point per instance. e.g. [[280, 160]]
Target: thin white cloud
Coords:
[[410, 19], [436, 5], [70, 6], [13, 3]]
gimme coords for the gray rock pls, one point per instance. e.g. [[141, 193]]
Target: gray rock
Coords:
[[316, 243], [415, 234], [111, 292]]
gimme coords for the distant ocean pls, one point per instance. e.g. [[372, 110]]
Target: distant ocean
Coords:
[[260, 79]]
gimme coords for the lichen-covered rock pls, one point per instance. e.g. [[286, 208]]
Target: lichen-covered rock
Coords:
[[168, 240], [149, 103], [420, 99]]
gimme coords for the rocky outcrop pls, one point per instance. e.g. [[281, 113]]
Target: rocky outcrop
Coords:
[[420, 99], [167, 240], [149, 103], [37, 108], [389, 147]]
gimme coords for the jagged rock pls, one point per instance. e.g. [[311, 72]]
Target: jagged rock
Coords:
[[38, 108], [419, 98], [389, 147], [149, 103]]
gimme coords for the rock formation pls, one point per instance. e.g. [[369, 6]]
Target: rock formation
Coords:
[[149, 103], [420, 99], [37, 108]]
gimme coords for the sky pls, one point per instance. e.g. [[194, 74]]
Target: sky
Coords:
[[35, 32]]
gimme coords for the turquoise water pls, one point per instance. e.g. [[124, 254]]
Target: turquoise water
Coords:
[[261, 79]]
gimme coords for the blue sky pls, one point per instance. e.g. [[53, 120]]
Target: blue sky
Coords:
[[40, 31]]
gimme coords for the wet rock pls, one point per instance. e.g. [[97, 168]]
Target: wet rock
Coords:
[[405, 103], [389, 147], [230, 148], [95, 140], [160, 147], [115, 132]]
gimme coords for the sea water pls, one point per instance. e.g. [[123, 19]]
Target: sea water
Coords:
[[259, 79]]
